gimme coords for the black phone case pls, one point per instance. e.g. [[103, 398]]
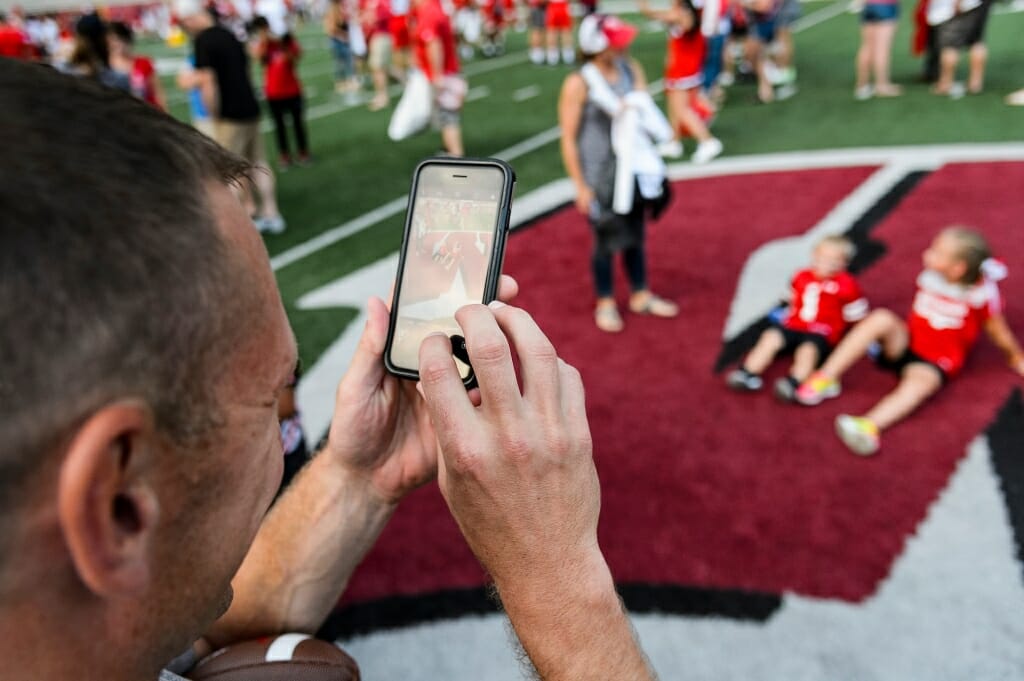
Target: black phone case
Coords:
[[497, 254]]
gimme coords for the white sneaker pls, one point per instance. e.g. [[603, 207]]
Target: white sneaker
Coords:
[[536, 55], [707, 150], [863, 92], [270, 225], [568, 56], [671, 149], [1015, 98], [552, 57], [726, 79]]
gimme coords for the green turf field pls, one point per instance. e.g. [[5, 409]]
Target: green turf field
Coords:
[[358, 169]]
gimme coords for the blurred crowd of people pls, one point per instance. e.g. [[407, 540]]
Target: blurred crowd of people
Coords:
[[417, 47]]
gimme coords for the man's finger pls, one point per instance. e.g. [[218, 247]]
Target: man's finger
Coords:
[[508, 288], [491, 357], [574, 404], [366, 369], [537, 356], [443, 391]]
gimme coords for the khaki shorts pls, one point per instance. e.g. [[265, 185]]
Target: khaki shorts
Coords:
[[243, 139], [380, 51]]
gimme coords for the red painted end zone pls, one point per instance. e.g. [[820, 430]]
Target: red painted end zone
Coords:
[[707, 488]]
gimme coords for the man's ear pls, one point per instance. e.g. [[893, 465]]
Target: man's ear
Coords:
[[106, 504]]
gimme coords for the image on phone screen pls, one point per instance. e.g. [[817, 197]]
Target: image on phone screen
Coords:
[[449, 250]]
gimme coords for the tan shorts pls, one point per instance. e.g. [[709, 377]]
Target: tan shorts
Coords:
[[380, 51], [244, 139], [205, 126]]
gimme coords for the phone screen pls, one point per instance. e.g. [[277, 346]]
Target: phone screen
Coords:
[[449, 250]]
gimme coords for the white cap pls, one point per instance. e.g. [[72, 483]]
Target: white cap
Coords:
[[187, 8], [598, 32]]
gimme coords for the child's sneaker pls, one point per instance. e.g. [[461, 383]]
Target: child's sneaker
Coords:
[[857, 433], [707, 150], [785, 388], [744, 381], [816, 389]]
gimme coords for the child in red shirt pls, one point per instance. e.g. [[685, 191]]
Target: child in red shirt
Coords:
[[956, 298], [825, 299], [279, 57]]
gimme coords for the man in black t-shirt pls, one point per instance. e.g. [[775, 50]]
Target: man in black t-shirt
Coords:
[[222, 74]]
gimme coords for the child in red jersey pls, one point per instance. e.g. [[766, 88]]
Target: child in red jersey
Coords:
[[956, 298], [825, 300], [688, 109]]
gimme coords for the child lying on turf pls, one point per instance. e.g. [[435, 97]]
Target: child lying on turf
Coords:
[[825, 300], [956, 296]]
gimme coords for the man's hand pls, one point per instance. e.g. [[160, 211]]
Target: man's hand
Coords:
[[517, 471], [381, 428]]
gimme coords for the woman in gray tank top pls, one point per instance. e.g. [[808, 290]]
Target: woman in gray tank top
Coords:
[[590, 162]]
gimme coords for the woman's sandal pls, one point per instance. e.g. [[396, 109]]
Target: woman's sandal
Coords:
[[655, 306], [608, 319]]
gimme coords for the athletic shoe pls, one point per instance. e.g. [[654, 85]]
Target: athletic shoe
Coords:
[[786, 91], [1015, 98], [744, 381], [816, 390], [568, 56], [857, 433], [726, 79], [671, 149], [707, 150], [272, 225], [863, 93], [785, 388]]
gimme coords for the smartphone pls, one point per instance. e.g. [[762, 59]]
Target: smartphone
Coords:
[[452, 251]]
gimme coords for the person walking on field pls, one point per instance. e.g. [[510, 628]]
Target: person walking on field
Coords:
[[222, 75]]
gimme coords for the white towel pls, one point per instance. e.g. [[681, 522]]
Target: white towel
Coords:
[[637, 127]]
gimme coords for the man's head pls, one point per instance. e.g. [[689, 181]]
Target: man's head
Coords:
[[143, 347], [193, 15]]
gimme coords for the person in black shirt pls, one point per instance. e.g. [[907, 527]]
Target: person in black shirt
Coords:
[[222, 74]]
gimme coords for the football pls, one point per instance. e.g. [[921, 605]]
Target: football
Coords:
[[289, 657]]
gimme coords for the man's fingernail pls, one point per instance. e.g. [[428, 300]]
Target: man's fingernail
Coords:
[[436, 333], [495, 304], [419, 389]]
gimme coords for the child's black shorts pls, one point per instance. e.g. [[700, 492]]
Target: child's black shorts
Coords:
[[900, 363], [795, 339]]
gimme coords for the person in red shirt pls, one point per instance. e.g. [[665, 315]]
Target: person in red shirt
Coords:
[[824, 301], [435, 50], [558, 22], [279, 57], [140, 70], [689, 110], [13, 41], [957, 297]]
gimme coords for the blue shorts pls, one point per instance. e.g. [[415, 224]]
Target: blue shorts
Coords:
[[763, 27], [875, 12]]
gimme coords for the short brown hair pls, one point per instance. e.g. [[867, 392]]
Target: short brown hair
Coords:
[[114, 279]]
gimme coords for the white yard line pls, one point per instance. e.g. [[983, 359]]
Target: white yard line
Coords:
[[478, 93], [525, 93]]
